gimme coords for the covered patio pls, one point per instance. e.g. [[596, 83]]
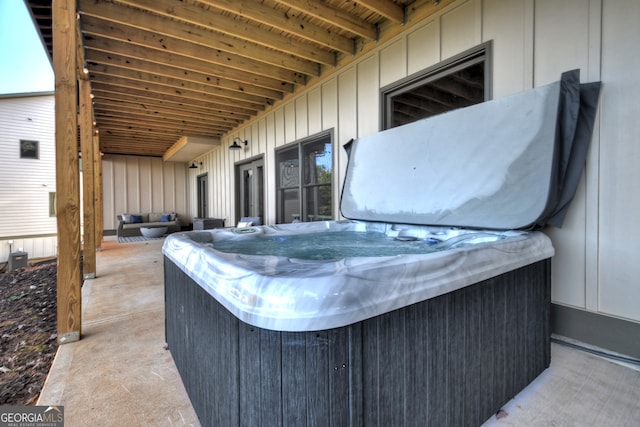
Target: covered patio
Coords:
[[137, 78], [121, 373]]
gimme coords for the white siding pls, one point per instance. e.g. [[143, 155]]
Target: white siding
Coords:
[[533, 42], [25, 184]]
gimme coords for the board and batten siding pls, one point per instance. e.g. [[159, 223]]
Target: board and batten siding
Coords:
[[533, 42], [25, 184], [136, 184]]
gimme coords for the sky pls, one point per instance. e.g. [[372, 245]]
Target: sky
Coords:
[[24, 66]]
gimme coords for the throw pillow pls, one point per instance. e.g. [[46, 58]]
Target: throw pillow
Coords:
[[136, 219], [126, 218], [245, 224], [165, 218]]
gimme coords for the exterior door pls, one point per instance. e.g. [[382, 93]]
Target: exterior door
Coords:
[[203, 202], [250, 201]]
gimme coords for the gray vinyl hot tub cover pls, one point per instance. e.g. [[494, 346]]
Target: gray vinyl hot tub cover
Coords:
[[510, 163]]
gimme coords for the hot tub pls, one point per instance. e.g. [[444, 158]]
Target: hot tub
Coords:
[[439, 317], [324, 275]]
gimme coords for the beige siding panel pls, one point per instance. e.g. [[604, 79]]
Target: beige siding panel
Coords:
[[393, 62], [108, 199], [593, 163], [290, 122], [314, 112], [301, 117], [254, 140], [423, 46], [158, 186], [459, 28], [169, 195], [330, 105], [192, 175], [132, 174], [330, 121], [368, 96], [232, 158], [146, 185], [347, 115], [561, 38], [503, 23], [119, 189], [561, 44], [619, 174], [269, 168], [279, 125]]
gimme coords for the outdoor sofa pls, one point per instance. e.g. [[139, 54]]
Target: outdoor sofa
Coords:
[[130, 224]]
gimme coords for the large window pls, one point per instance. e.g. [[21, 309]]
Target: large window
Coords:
[[304, 180], [455, 83]]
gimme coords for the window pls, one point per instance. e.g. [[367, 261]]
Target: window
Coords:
[[304, 180], [52, 204], [29, 149], [458, 82]]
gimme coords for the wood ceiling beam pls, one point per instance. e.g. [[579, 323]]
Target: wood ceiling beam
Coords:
[[140, 130], [97, 31], [160, 25], [106, 60], [169, 112], [132, 109], [109, 51], [117, 136], [270, 16], [334, 16], [115, 75], [113, 121], [120, 143], [134, 112], [386, 8], [156, 102], [216, 33]]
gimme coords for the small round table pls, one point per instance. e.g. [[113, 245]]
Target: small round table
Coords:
[[153, 232]]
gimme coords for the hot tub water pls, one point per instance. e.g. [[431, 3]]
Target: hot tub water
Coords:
[[348, 244]]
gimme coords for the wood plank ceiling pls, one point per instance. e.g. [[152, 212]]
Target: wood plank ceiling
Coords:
[[163, 69]]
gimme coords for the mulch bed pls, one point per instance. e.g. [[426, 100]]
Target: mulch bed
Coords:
[[28, 340]]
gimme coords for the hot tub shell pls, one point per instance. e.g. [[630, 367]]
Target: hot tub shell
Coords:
[[444, 338], [454, 359]]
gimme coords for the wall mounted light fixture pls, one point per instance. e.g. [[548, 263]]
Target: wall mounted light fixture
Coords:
[[194, 166], [236, 146]]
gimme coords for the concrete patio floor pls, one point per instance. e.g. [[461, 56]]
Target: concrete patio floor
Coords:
[[121, 374]]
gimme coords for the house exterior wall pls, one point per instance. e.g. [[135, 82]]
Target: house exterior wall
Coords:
[[133, 184], [534, 41], [25, 184]]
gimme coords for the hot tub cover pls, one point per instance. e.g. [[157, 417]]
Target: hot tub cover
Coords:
[[510, 163]]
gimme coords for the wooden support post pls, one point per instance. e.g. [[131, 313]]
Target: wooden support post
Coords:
[[97, 169], [67, 174], [88, 180]]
